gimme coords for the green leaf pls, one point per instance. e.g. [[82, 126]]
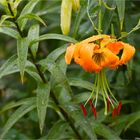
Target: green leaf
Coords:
[[105, 131], [26, 10], [121, 9], [33, 34], [22, 51], [7, 24], [4, 17], [84, 124], [107, 16], [79, 17], [53, 56], [20, 112], [81, 97], [43, 93], [9, 66], [10, 32], [132, 119], [62, 63], [31, 16], [60, 82], [58, 76], [59, 79], [13, 104], [16, 3], [124, 122], [32, 71], [55, 107], [57, 129], [77, 82], [53, 36]]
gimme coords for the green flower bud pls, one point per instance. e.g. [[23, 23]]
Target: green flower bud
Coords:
[[75, 5], [66, 10]]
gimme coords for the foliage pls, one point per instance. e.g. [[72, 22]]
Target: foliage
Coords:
[[44, 104]]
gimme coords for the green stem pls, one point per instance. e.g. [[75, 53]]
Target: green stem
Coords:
[[105, 86], [91, 95], [98, 88], [93, 24], [100, 18], [104, 102]]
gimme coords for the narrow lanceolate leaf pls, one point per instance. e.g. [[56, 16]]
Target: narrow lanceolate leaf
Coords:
[[9, 66], [57, 129], [43, 93], [77, 82], [33, 34], [66, 10], [20, 112], [22, 51], [105, 132], [10, 32], [121, 9], [84, 124], [31, 70], [31, 16], [4, 17], [13, 104], [27, 9], [53, 56], [132, 119], [16, 3], [53, 36]]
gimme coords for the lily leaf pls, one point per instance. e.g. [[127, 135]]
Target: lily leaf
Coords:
[[31, 16], [26, 10], [33, 34], [43, 93], [20, 112], [10, 32], [22, 51]]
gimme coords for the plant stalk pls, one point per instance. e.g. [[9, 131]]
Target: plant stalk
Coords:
[[44, 79]]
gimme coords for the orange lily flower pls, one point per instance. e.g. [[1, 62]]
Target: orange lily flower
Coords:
[[93, 55], [97, 52]]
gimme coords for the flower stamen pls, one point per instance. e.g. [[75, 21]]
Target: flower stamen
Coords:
[[84, 110]]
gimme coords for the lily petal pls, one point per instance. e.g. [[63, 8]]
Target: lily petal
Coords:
[[128, 53], [115, 47], [94, 38], [69, 54]]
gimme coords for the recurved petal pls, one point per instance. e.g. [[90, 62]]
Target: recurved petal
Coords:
[[69, 54], [127, 54], [115, 47], [95, 37], [110, 58]]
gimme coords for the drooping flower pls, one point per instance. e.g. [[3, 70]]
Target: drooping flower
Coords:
[[94, 54]]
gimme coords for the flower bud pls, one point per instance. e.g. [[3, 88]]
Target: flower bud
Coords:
[[66, 10], [75, 5]]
